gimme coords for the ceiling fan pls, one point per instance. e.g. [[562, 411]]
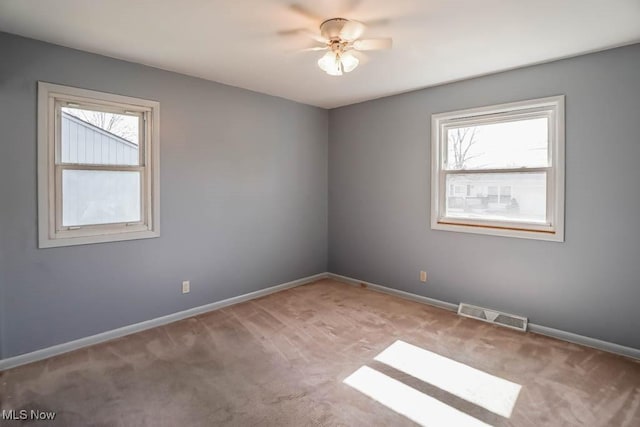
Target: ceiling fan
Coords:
[[340, 37]]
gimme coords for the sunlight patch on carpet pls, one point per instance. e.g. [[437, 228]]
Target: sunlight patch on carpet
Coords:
[[407, 401], [488, 391]]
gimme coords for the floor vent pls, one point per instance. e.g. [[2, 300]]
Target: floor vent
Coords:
[[509, 320]]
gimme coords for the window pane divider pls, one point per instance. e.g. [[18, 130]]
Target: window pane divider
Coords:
[[108, 168], [495, 171]]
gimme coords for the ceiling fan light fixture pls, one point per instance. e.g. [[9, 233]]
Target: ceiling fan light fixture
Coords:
[[336, 63], [349, 62], [330, 64], [340, 37]]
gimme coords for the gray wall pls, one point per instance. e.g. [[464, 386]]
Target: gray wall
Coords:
[[243, 201], [379, 181]]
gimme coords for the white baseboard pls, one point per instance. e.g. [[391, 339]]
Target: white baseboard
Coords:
[[537, 329], [391, 291], [586, 341], [55, 350]]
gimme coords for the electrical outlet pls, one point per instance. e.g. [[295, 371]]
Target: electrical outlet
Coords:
[[423, 276], [186, 287]]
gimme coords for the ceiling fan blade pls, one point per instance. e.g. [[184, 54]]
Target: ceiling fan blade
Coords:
[[301, 10], [352, 30], [303, 31], [313, 49], [315, 36], [377, 22], [373, 44]]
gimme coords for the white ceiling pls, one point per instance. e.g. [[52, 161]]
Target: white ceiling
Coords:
[[237, 42]]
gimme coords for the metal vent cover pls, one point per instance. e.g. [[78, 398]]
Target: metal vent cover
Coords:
[[491, 316]]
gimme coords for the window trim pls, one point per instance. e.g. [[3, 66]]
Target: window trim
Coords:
[[553, 108], [50, 232]]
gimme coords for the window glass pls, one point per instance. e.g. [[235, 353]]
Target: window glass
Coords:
[[100, 197], [511, 144], [523, 199], [98, 137]]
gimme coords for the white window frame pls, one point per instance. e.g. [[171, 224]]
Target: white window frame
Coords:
[[553, 109], [51, 233]]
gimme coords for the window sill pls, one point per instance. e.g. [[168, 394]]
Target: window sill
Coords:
[[97, 238], [497, 230]]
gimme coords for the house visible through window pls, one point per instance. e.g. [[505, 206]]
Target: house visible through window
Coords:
[[98, 167], [500, 170]]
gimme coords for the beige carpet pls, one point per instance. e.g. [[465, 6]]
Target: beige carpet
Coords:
[[281, 360]]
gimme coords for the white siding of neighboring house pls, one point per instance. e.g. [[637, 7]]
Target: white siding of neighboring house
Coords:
[[85, 143], [473, 196]]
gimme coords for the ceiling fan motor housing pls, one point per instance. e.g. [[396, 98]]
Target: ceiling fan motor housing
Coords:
[[331, 28]]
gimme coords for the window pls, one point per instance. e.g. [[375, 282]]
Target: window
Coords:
[[500, 170], [98, 167]]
